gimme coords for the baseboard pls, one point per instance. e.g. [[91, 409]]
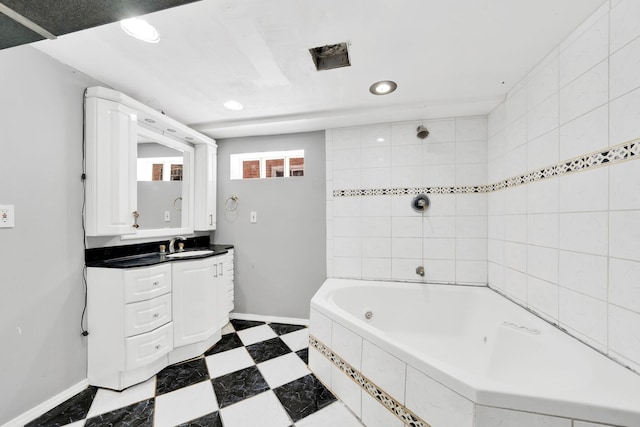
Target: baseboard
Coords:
[[47, 405], [271, 319]]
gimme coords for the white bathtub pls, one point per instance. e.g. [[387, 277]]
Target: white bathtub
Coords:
[[460, 356]]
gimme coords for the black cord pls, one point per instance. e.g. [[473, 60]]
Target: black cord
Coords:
[[84, 206]]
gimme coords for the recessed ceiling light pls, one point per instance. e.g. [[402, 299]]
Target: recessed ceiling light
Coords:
[[171, 130], [383, 87], [140, 29], [233, 105], [380, 140], [188, 138], [149, 120]]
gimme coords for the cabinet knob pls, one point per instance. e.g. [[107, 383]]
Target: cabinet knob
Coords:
[[158, 347], [156, 283], [156, 315]]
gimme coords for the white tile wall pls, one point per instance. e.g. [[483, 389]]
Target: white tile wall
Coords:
[[375, 414], [385, 370], [346, 390], [580, 231], [585, 134], [569, 246], [381, 237], [347, 345]]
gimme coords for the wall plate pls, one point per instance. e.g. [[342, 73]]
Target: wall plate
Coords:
[[7, 216]]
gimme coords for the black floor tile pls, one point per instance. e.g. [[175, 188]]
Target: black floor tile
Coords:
[[303, 397], [209, 420], [184, 374], [304, 355], [239, 385], [71, 410], [228, 342], [137, 415], [239, 325], [265, 350], [282, 328]]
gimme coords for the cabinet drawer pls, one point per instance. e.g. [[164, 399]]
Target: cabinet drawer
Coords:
[[145, 348], [145, 316], [146, 283]]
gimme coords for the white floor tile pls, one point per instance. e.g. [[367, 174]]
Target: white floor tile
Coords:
[[109, 400], [228, 328], [263, 410], [185, 404], [228, 361], [296, 340], [335, 414], [282, 370], [256, 334]]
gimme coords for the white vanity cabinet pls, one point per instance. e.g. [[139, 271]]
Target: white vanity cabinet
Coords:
[[226, 284], [143, 319], [195, 301], [129, 317], [206, 158]]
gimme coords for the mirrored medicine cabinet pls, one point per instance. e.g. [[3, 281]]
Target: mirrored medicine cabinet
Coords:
[[144, 171]]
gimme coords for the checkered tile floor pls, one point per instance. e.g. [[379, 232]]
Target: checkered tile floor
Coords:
[[256, 375]]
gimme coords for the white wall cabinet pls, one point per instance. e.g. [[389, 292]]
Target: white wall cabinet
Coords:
[[205, 187], [142, 319], [114, 125], [111, 141]]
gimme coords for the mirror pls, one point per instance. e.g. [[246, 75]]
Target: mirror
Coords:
[[164, 185], [160, 181]]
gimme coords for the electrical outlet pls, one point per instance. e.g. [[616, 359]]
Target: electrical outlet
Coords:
[[167, 216], [7, 215], [253, 217]]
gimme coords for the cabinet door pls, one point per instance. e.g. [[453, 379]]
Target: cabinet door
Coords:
[[195, 299], [205, 187], [111, 130]]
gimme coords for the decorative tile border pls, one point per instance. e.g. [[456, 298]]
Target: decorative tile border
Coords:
[[396, 408], [612, 155]]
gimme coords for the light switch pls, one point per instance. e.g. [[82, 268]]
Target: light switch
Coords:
[[253, 217], [167, 216], [7, 216]]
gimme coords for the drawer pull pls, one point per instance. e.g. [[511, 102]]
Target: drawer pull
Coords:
[[156, 283], [156, 315], [158, 347]]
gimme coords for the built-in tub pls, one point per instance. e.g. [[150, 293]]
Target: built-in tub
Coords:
[[449, 356]]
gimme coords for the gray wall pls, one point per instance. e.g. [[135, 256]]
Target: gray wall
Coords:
[[280, 260], [156, 197], [41, 258]]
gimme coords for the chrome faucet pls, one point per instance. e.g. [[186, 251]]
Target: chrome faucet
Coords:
[[173, 242]]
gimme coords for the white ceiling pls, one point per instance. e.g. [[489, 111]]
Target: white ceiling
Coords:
[[449, 57]]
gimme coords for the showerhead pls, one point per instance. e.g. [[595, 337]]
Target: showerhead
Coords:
[[422, 132]]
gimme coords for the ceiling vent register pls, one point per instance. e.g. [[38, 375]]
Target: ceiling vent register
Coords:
[[330, 56]]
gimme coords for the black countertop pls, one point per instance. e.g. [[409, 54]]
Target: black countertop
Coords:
[[146, 254]]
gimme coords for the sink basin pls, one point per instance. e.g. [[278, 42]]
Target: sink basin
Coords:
[[188, 254]]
